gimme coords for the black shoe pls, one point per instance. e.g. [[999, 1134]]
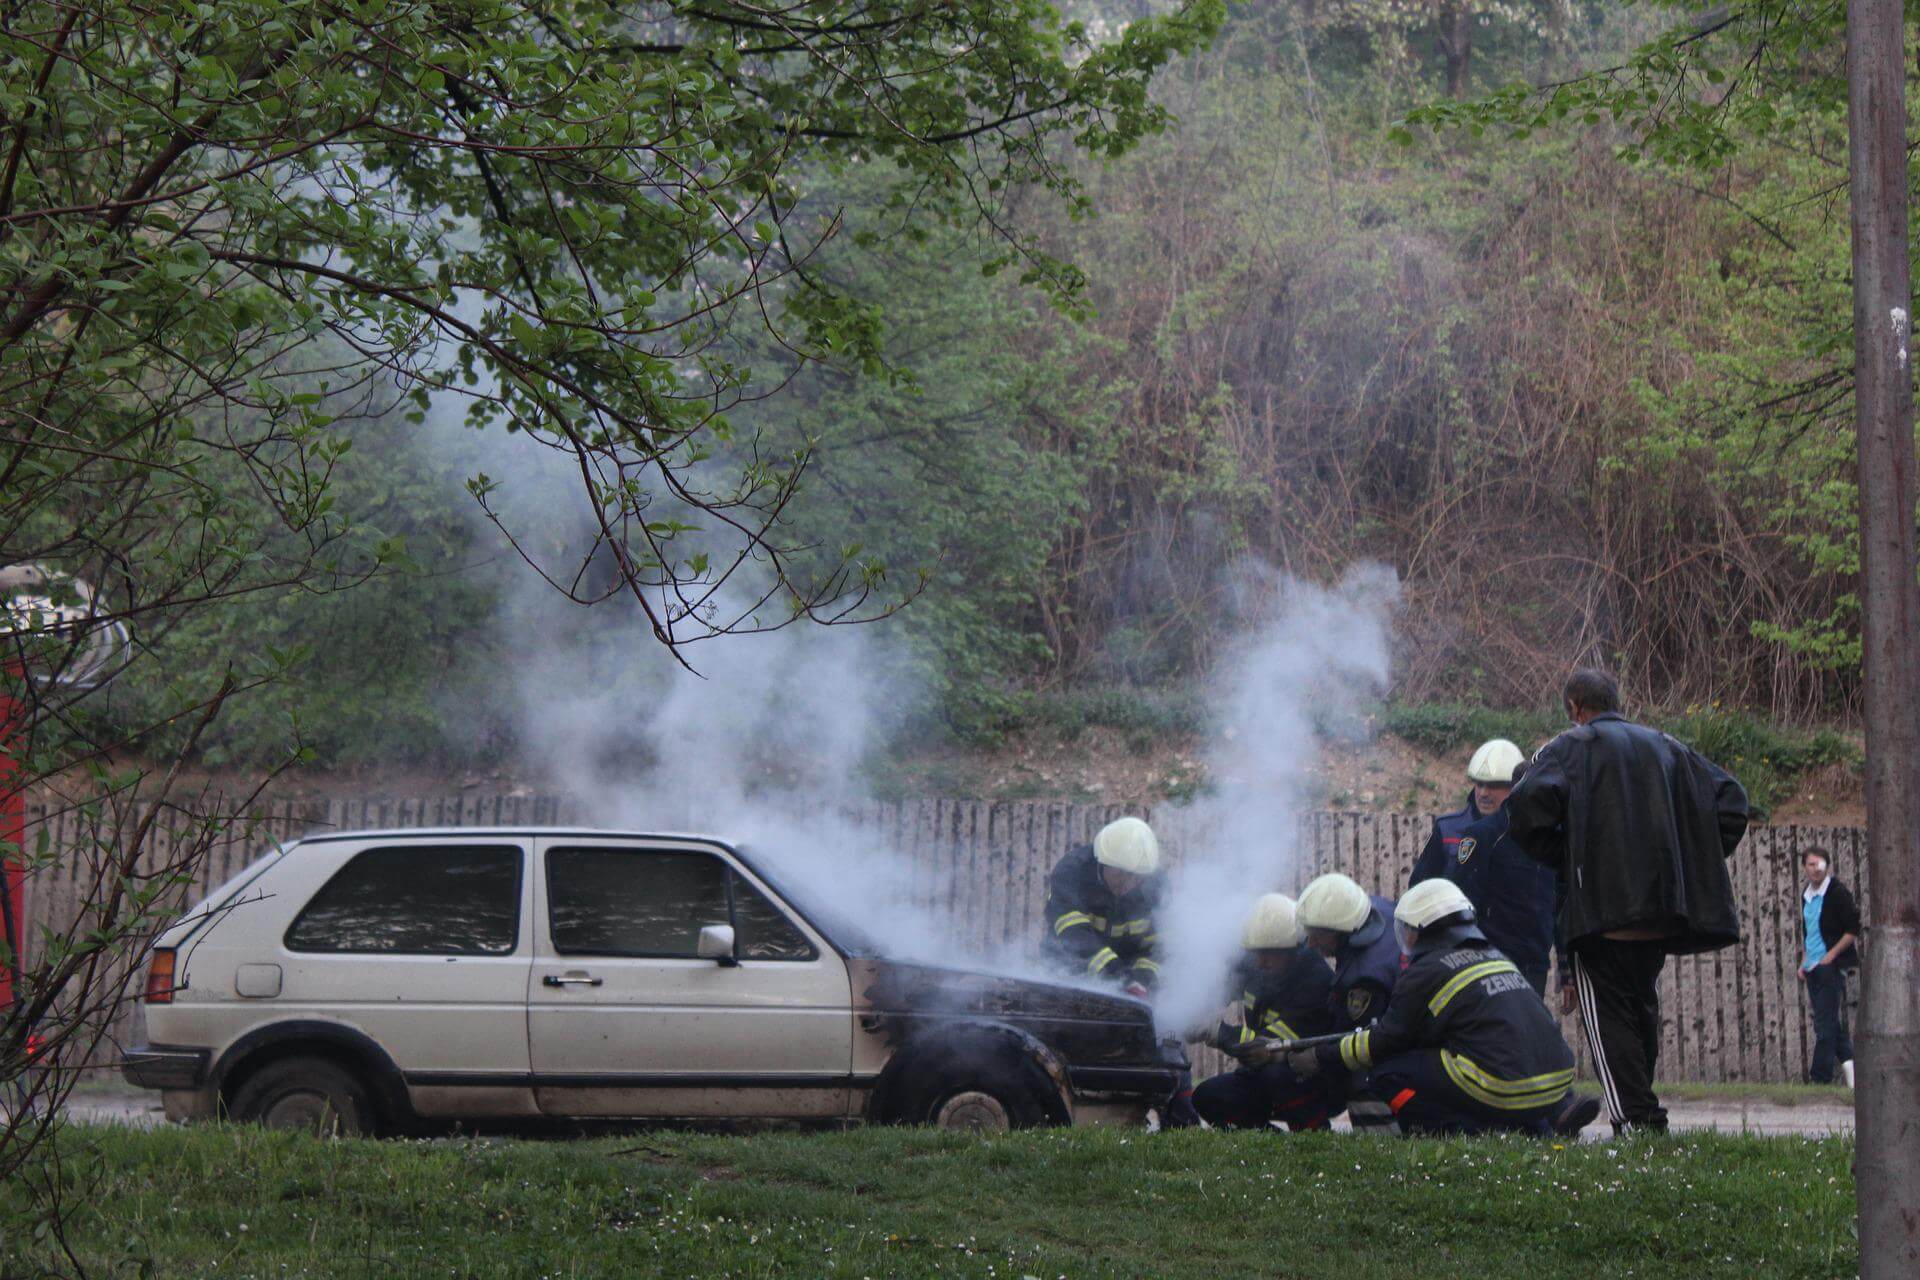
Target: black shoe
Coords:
[[1633, 1128], [1179, 1113], [1575, 1116]]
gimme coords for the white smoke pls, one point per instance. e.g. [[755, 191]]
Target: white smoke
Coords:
[[763, 740], [1301, 669], [757, 738]]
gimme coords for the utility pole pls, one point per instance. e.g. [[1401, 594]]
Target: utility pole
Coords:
[[1887, 1159]]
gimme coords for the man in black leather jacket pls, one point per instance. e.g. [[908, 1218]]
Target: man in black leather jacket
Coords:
[[1640, 827]]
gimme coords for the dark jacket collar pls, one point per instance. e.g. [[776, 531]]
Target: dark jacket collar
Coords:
[[1451, 938], [1369, 931]]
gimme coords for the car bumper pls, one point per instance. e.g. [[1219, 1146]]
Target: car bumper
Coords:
[[165, 1066], [1150, 1084]]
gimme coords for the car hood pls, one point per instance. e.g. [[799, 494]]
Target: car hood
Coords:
[[894, 986]]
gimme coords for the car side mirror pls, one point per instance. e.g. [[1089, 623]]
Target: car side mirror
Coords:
[[716, 943]]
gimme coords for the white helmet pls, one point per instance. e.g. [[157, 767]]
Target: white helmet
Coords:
[[1127, 844], [1271, 925], [1431, 900], [1426, 902], [1495, 762], [1333, 902]]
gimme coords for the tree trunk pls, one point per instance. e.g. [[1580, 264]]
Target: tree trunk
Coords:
[[1456, 44], [1887, 1159]]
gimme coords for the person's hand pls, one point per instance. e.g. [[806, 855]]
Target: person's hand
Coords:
[[1305, 1063], [1568, 997], [1136, 989], [1256, 1054], [1801, 974]]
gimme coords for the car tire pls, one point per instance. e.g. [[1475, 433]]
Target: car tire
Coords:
[[310, 1095], [989, 1099]]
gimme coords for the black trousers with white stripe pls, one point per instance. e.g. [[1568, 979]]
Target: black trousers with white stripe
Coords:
[[1620, 1014]]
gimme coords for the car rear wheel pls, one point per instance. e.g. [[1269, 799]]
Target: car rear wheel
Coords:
[[308, 1095]]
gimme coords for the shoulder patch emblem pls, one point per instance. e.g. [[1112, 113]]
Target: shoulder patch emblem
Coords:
[[1358, 998], [1467, 845]]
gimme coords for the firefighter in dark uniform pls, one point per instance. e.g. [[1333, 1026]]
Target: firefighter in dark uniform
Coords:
[[1514, 897], [1285, 993], [1100, 901], [1490, 775], [1354, 931], [1466, 1045]]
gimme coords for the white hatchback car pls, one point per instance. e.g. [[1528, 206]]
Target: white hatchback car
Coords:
[[398, 981]]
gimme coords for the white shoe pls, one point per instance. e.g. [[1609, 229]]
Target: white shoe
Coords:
[[1846, 1072]]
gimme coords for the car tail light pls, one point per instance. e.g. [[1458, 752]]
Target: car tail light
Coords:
[[160, 976]]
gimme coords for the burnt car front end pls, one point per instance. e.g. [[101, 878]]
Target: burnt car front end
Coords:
[[921, 1028]]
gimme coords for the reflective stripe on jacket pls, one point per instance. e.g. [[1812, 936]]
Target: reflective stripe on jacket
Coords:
[[1462, 996], [1289, 1005], [1092, 931]]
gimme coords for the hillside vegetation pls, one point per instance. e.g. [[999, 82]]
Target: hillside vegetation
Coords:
[[1586, 409]]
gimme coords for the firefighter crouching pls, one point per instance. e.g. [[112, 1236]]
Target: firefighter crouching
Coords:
[[1286, 992], [1354, 931], [1100, 902], [1465, 1045]]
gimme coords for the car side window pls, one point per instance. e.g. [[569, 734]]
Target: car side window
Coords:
[[653, 903], [761, 931], [417, 900], [633, 902]]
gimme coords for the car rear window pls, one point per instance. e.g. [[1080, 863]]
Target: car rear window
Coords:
[[417, 900], [654, 902]]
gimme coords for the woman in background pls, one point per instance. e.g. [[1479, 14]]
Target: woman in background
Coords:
[[1831, 923]]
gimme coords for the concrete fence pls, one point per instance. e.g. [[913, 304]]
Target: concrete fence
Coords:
[[1734, 1015]]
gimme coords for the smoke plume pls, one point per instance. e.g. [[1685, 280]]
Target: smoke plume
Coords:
[[757, 738], [1303, 664], [762, 742]]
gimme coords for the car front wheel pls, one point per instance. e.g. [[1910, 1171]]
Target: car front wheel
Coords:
[[309, 1095], [1007, 1096], [973, 1111]]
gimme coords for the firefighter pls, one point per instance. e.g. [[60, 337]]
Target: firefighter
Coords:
[[1100, 901], [1354, 931], [1466, 1045], [1490, 775], [1513, 896], [1285, 994]]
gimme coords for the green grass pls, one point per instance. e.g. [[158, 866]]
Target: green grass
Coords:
[[237, 1202], [1145, 717], [1441, 727]]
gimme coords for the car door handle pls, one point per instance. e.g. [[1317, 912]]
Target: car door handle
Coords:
[[570, 979]]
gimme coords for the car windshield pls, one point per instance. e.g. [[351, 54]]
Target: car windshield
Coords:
[[840, 927]]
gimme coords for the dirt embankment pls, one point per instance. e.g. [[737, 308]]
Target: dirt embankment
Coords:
[[1098, 766]]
